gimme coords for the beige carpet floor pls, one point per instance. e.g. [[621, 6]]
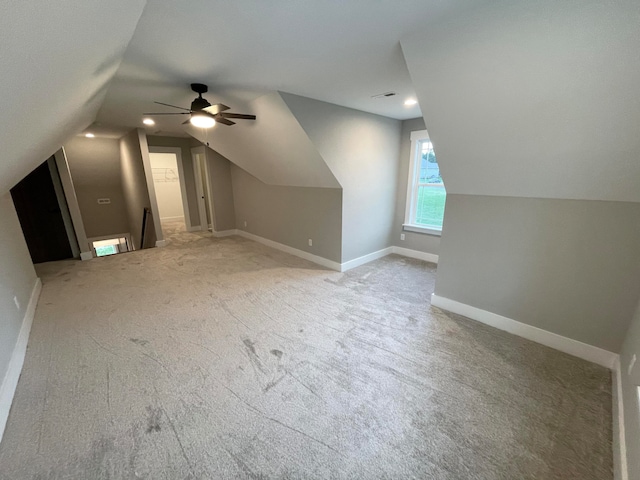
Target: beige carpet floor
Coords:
[[223, 359]]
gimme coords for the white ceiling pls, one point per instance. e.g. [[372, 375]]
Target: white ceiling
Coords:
[[339, 52]]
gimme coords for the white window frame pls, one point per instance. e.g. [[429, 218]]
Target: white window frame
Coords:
[[412, 187]]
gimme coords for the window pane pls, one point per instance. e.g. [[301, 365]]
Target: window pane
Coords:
[[429, 170], [428, 194], [430, 208], [106, 250]]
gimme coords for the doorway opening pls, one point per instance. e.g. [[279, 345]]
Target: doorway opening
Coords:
[[170, 190], [44, 215]]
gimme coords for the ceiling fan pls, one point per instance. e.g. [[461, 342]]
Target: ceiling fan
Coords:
[[203, 114]]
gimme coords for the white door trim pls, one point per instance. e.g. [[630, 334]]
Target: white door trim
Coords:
[[199, 176], [72, 202], [151, 188], [202, 212], [207, 177]]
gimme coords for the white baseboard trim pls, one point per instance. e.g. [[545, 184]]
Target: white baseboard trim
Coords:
[[86, 256], [10, 382], [340, 267], [161, 243], [172, 219], [293, 251], [406, 252], [356, 262], [567, 345], [224, 233], [620, 468]]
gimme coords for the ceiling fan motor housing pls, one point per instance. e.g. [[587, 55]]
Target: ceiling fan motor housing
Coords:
[[199, 103]]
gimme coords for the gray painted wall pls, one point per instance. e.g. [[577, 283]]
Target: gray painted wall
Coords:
[[290, 215], [224, 216], [185, 145], [361, 149], [17, 278], [415, 241], [134, 186], [567, 266], [95, 167], [630, 383]]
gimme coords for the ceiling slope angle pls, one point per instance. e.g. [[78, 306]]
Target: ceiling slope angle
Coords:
[[533, 99], [57, 61], [343, 53], [274, 148]]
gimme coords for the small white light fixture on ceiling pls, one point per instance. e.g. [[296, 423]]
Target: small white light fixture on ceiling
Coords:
[[409, 102], [148, 121], [202, 120], [89, 135]]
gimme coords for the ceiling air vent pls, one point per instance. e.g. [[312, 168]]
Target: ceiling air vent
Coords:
[[384, 95]]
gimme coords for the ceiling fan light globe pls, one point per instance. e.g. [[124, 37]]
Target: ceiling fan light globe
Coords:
[[202, 121]]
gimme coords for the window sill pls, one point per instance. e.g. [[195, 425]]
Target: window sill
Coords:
[[421, 229]]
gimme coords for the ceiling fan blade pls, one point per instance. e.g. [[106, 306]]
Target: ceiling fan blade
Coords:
[[224, 121], [215, 109], [237, 115], [165, 113], [173, 106]]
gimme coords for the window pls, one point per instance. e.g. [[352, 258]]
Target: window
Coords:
[[106, 250], [110, 246], [426, 194]]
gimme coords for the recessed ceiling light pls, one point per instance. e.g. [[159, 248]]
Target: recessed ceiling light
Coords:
[[89, 135], [410, 101], [148, 121], [202, 121]]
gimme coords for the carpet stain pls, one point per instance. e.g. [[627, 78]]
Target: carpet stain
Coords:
[[153, 419], [139, 341], [253, 355], [250, 346]]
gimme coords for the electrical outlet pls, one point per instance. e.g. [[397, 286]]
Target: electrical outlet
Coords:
[[402, 236], [631, 364], [17, 302], [310, 243], [245, 223]]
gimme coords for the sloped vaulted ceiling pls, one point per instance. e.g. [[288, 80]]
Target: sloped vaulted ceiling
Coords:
[[534, 99], [274, 148], [57, 60]]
